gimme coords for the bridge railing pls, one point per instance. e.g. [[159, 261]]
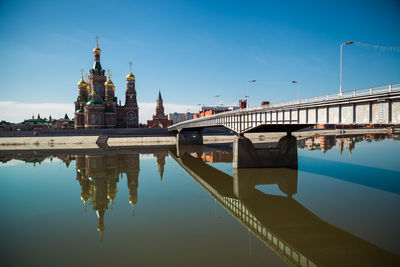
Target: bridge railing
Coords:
[[348, 94]]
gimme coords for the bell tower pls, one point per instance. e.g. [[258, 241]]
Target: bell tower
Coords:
[[131, 109], [130, 93], [97, 77]]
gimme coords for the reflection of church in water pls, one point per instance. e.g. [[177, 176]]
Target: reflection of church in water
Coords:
[[98, 176]]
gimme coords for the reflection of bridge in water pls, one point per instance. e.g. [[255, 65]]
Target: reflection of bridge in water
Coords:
[[293, 232], [298, 236]]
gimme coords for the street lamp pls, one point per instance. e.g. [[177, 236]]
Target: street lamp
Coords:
[[248, 87], [297, 85], [341, 48]]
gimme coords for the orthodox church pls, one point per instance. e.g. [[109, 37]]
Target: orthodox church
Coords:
[[97, 105]]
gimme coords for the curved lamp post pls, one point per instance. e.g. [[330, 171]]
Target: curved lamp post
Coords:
[[341, 48], [248, 87]]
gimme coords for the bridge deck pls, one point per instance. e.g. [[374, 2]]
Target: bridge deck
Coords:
[[379, 105]]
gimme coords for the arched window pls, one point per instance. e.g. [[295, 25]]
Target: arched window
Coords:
[[96, 87]]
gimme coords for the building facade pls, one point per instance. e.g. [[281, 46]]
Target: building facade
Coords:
[[160, 120], [178, 117], [97, 106]]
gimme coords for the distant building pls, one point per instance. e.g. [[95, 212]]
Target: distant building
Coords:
[[38, 124], [178, 117], [160, 120], [242, 104], [211, 110], [63, 123], [189, 116], [6, 126]]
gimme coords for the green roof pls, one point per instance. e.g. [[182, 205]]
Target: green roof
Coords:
[[109, 110], [97, 66], [31, 122], [66, 117], [93, 102], [79, 110]]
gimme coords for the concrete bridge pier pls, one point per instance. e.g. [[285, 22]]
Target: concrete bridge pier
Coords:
[[245, 155], [188, 142], [189, 138]]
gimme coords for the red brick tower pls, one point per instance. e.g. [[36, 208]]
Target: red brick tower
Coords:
[[110, 113], [128, 115], [79, 104], [160, 120], [159, 106]]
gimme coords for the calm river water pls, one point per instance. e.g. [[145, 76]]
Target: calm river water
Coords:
[[150, 207]]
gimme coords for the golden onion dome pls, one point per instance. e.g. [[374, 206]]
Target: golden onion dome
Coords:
[[130, 77], [97, 50], [109, 83], [82, 83]]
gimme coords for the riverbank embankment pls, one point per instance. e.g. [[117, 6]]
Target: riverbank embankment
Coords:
[[83, 139]]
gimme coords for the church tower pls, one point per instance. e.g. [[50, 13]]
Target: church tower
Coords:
[[97, 77], [160, 120], [130, 93], [128, 115], [79, 104], [159, 106]]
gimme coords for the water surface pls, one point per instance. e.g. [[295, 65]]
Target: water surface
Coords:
[[153, 207]]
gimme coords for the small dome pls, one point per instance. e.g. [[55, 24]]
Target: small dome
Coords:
[[93, 102], [79, 111], [109, 83], [82, 83], [130, 77], [97, 50]]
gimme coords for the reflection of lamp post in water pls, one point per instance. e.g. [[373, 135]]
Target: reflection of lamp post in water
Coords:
[[341, 48], [248, 87]]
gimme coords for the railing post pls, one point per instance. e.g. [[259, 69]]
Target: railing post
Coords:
[[370, 91], [354, 93], [390, 88]]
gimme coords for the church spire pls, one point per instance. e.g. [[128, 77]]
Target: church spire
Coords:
[[159, 96]]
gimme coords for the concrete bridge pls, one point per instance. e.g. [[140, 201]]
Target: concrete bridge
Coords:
[[377, 105], [289, 229]]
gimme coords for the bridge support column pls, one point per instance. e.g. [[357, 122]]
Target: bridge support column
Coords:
[[189, 142], [245, 155], [189, 138]]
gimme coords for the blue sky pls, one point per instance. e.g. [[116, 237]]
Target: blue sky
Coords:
[[195, 50]]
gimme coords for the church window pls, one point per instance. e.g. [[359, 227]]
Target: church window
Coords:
[[96, 88], [131, 85], [130, 116]]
